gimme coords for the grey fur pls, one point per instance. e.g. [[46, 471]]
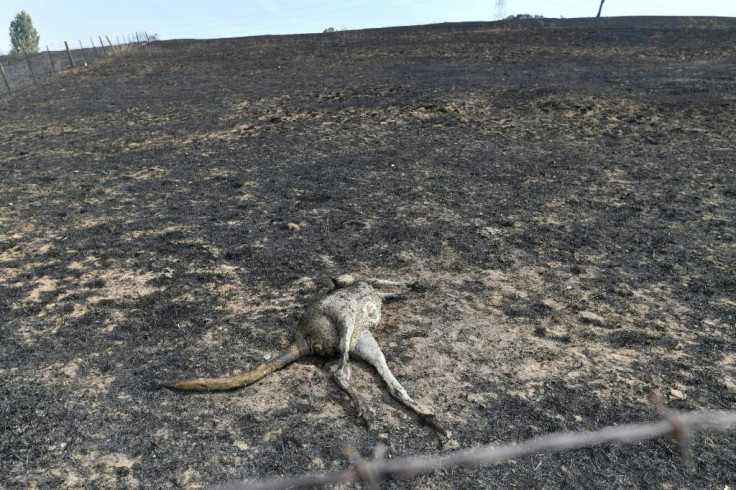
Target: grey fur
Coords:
[[339, 325]]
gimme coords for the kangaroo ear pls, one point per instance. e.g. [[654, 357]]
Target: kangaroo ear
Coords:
[[335, 283]]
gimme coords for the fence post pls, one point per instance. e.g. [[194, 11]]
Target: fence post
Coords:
[[69, 53], [84, 54], [28, 60], [103, 46], [7, 83], [108, 42], [53, 66]]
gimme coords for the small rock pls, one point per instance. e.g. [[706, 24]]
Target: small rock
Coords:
[[293, 227], [677, 394]]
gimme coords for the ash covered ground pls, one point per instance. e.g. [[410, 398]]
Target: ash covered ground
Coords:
[[565, 192]]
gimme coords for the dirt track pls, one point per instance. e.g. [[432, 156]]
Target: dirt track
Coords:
[[565, 190]]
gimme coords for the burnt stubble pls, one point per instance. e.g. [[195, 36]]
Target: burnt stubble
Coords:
[[564, 191]]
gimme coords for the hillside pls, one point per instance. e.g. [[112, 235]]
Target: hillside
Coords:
[[564, 192]]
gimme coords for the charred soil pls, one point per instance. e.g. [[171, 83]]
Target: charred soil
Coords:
[[564, 190]]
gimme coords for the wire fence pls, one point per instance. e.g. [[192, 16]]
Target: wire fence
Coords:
[[25, 69], [372, 471]]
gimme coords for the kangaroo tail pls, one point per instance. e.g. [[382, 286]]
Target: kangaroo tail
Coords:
[[292, 354]]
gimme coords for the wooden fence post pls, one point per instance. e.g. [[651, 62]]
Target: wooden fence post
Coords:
[[84, 54], [28, 60], [108, 42], [7, 83], [103, 46], [137, 38], [69, 53], [53, 66]]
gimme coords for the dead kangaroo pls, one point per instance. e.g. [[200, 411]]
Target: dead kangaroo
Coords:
[[337, 325]]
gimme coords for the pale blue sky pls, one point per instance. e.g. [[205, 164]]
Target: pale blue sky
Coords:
[[57, 21]]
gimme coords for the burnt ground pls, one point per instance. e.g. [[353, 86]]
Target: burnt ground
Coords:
[[564, 190]]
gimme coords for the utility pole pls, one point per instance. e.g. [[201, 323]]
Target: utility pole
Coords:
[[500, 11], [600, 8]]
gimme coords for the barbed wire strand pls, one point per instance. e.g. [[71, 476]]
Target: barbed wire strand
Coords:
[[679, 426]]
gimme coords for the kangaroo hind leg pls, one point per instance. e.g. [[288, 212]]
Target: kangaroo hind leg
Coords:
[[346, 326], [367, 349], [342, 378]]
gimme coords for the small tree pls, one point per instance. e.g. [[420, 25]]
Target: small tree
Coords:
[[23, 36]]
